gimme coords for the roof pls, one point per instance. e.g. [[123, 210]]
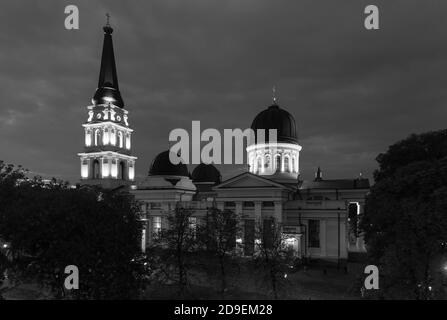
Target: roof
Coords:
[[162, 166], [361, 183], [276, 118], [251, 180], [206, 173]]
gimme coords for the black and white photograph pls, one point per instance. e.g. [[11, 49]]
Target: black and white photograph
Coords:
[[223, 156]]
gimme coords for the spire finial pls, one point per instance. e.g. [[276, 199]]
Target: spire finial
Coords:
[[274, 97], [107, 28], [318, 174]]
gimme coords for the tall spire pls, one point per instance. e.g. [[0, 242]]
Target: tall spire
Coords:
[[108, 90]]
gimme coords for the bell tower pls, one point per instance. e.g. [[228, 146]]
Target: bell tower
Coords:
[[107, 158]]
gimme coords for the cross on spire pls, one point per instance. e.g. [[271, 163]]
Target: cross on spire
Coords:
[[107, 28], [274, 97]]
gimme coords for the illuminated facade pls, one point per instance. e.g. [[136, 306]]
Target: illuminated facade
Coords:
[[107, 159], [319, 218]]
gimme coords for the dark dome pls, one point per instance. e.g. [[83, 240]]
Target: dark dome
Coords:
[[206, 173], [162, 166], [276, 118], [104, 95]]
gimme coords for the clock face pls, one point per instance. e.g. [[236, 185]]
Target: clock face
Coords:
[[98, 116]]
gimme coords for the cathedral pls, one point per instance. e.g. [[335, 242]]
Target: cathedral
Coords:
[[319, 218]]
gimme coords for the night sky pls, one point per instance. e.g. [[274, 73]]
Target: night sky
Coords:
[[352, 92]]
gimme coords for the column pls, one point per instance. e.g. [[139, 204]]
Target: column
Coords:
[[258, 212], [323, 238], [258, 222], [240, 228], [278, 212]]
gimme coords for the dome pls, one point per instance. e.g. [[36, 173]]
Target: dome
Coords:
[[206, 173], [276, 118], [105, 95], [162, 166]]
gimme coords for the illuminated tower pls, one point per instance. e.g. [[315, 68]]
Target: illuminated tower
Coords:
[[107, 158]]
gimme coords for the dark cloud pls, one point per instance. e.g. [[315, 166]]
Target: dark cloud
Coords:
[[353, 92]]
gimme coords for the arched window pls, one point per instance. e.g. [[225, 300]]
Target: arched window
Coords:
[[267, 161], [120, 139], [105, 137], [97, 137], [96, 169], [259, 165], [128, 141], [286, 164], [122, 171], [112, 137], [278, 163], [292, 165], [88, 138]]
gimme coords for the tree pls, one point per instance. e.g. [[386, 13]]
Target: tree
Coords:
[[218, 235], [428, 146], [174, 243], [405, 223], [50, 226], [272, 256]]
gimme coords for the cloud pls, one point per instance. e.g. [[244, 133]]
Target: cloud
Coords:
[[353, 92]]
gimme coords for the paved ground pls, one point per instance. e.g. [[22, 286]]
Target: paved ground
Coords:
[[314, 283]]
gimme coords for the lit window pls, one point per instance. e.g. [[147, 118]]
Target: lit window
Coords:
[[259, 165], [286, 164], [278, 163], [120, 139], [353, 212], [105, 137], [267, 161], [88, 138], [97, 137], [112, 137], [128, 141], [156, 226]]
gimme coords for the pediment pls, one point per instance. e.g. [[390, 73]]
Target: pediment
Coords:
[[249, 180]]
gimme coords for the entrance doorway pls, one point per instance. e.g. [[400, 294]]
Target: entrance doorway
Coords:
[[292, 242], [293, 236]]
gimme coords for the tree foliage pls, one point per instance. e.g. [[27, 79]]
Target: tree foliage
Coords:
[[173, 244], [405, 220], [50, 226], [218, 236], [272, 256]]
